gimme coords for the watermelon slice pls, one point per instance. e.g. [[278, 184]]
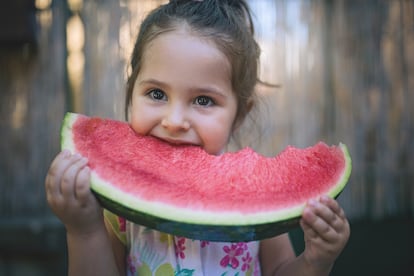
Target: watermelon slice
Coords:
[[182, 190]]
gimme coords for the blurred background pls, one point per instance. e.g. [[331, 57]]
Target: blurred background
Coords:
[[346, 74]]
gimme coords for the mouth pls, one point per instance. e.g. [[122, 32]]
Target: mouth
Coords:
[[176, 142]]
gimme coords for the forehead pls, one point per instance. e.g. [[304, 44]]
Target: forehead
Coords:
[[184, 52], [183, 37]]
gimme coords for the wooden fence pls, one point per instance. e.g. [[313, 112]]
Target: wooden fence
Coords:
[[346, 70]]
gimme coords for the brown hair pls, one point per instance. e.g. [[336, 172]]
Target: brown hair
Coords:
[[228, 23]]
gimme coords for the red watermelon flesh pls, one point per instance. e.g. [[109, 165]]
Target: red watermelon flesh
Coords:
[[143, 175]]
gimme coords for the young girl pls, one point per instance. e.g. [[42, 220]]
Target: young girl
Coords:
[[194, 69]]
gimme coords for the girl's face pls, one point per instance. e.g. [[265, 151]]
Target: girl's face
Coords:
[[183, 93]]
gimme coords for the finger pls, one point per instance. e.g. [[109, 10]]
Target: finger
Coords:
[[318, 220], [82, 188], [324, 211], [333, 205], [70, 176], [308, 232], [312, 220], [53, 178], [334, 214]]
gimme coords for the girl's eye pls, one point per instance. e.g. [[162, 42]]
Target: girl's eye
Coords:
[[204, 101], [157, 94]]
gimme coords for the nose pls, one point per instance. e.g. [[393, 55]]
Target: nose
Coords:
[[175, 119]]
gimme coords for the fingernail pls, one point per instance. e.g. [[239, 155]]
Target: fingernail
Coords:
[[325, 198], [312, 202]]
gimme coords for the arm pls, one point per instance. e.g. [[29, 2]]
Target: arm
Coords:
[[326, 232], [91, 254], [69, 196], [118, 248]]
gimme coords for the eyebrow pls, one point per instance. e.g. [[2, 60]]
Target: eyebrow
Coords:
[[152, 81], [204, 90]]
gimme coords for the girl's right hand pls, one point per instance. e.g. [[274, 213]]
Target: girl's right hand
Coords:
[[69, 196]]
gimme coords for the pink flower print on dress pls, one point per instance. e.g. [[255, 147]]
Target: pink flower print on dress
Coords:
[[247, 259], [204, 243], [231, 258], [242, 245], [122, 224], [180, 248]]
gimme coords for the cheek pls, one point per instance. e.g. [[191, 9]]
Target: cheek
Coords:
[[139, 121], [135, 124], [138, 116], [217, 137]]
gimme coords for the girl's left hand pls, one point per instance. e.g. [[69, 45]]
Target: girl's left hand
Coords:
[[326, 231]]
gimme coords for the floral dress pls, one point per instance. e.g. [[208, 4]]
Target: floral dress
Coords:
[[150, 252]]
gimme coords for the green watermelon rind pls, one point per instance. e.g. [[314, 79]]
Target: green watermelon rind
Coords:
[[199, 224], [219, 233], [66, 140]]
